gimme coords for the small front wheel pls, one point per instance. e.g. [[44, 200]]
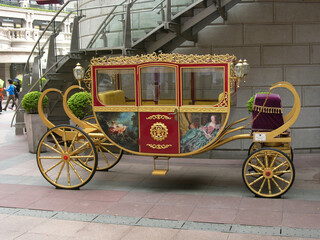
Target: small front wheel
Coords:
[[273, 173], [66, 157]]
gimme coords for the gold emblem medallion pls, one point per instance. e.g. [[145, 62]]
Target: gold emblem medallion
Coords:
[[159, 131]]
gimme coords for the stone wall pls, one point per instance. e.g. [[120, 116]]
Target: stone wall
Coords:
[[281, 41]]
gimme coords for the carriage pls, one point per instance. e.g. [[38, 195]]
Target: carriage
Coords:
[[164, 106]]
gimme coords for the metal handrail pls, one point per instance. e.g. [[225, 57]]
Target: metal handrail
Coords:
[[41, 35]]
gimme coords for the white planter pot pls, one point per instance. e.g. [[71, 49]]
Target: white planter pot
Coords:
[[35, 130]]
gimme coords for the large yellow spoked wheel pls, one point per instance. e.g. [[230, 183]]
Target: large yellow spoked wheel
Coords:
[[273, 173], [66, 157], [108, 154]]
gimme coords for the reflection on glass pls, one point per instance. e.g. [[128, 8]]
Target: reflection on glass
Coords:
[[158, 86], [202, 86], [116, 86]]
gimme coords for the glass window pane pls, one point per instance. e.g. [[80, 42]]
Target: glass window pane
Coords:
[[202, 86], [158, 85], [116, 86]]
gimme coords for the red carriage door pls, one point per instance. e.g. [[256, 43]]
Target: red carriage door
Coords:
[[158, 120]]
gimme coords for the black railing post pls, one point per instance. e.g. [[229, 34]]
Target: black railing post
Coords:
[[127, 41]]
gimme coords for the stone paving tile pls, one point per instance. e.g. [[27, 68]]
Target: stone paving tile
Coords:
[[129, 209], [200, 235], [146, 233], [219, 202], [106, 195], [172, 212], [179, 199], [236, 236], [102, 231], [301, 220], [15, 223], [261, 204], [141, 197], [259, 217], [213, 215], [42, 236], [89, 206], [57, 227], [301, 206], [13, 200], [53, 204]]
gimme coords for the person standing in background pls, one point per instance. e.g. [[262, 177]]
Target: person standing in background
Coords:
[[17, 87], [11, 96]]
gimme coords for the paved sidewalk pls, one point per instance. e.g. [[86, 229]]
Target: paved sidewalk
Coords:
[[198, 199]]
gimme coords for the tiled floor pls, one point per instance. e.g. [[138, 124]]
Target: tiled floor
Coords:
[[195, 190]]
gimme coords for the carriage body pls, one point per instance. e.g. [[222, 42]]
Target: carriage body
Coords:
[[166, 105]]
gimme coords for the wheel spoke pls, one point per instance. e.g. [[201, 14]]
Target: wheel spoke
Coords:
[[274, 181], [53, 149], [72, 143], [255, 167], [273, 160], [259, 161], [80, 165], [65, 140], [80, 149], [68, 173], [54, 138], [266, 159], [262, 184], [58, 176], [49, 169], [104, 157], [254, 174], [282, 172], [269, 186], [48, 157], [115, 156], [282, 179], [76, 172], [258, 179], [277, 167]]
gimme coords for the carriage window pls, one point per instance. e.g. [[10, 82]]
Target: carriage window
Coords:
[[116, 86], [158, 85], [202, 86]]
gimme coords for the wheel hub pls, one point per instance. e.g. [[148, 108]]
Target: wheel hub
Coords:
[[268, 173], [65, 157]]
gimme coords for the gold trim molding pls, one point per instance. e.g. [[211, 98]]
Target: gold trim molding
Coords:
[[115, 109], [159, 146], [204, 109], [163, 57], [158, 117]]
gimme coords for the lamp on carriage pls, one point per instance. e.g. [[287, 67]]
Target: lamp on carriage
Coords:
[[78, 73], [242, 69]]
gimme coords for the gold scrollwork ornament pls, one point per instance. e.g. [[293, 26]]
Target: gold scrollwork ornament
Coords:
[[159, 131]]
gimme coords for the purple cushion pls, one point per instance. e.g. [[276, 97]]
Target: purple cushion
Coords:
[[271, 116]]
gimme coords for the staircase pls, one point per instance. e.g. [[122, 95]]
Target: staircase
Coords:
[[128, 28]]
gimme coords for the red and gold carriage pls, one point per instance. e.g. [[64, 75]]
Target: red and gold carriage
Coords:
[[164, 106]]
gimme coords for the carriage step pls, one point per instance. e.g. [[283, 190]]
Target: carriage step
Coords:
[[160, 171]]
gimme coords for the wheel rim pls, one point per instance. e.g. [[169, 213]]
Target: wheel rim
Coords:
[[108, 154], [254, 147], [273, 175], [68, 153]]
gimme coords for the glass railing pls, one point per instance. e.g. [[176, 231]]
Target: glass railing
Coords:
[[145, 16]]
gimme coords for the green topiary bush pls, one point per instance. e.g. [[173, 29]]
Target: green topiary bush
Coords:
[[251, 100], [30, 101], [80, 104]]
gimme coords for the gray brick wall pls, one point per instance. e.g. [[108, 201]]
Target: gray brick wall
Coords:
[[281, 41]]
